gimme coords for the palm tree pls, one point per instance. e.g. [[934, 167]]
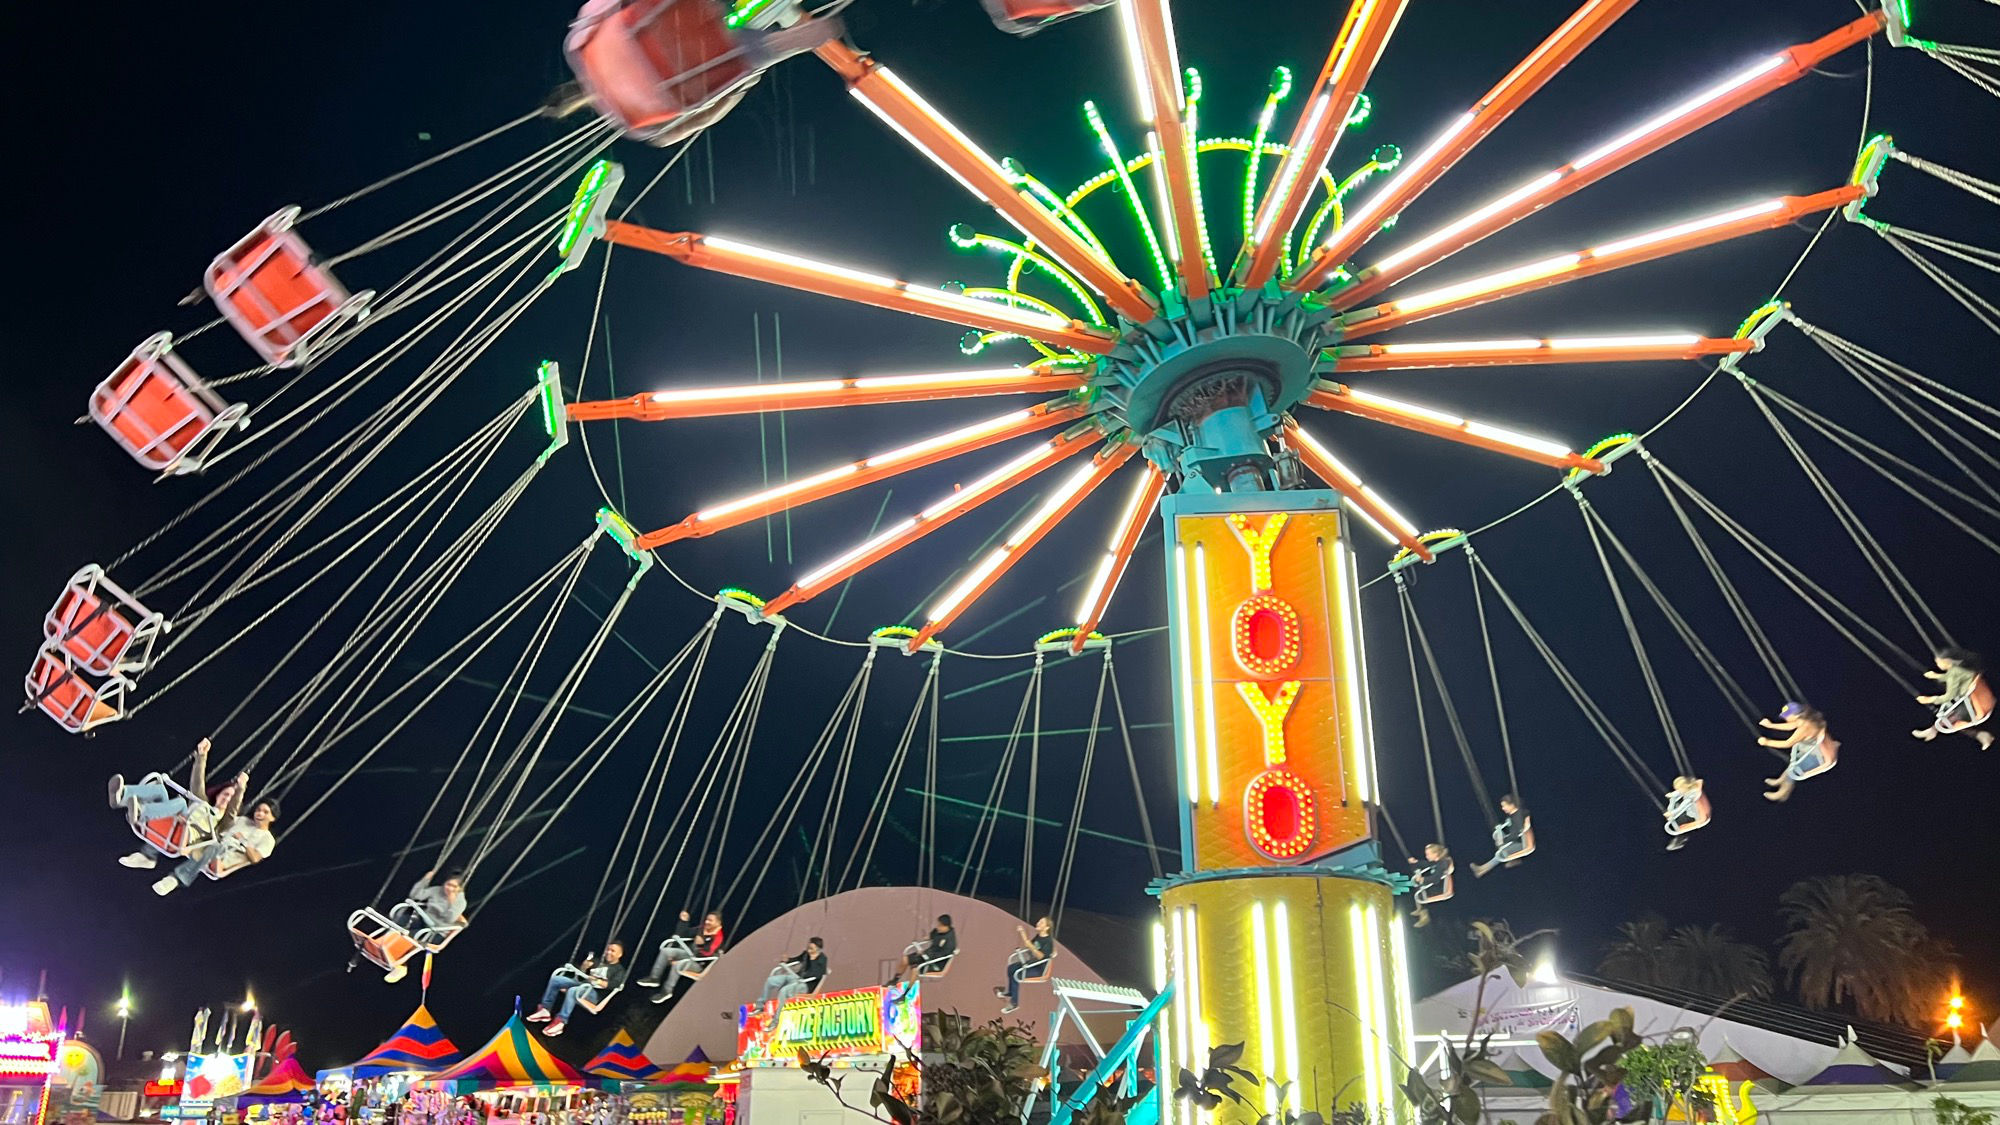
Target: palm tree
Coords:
[[1708, 960], [1853, 940], [1640, 953]]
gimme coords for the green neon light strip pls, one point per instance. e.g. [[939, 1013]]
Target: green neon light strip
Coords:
[[1194, 165], [1131, 194], [747, 11], [1054, 202], [965, 238], [580, 206], [550, 391], [1281, 86], [1384, 159]]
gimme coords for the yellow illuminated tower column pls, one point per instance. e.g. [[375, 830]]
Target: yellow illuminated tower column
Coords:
[[1280, 929]]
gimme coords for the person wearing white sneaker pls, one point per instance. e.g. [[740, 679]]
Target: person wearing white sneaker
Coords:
[[244, 840], [593, 982], [151, 800]]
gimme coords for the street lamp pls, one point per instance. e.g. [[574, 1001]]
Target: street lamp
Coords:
[[1954, 1017], [124, 1017]]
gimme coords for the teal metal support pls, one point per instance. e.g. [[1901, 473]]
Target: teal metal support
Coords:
[[1124, 1052]]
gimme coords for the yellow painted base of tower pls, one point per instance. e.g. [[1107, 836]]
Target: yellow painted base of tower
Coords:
[[1307, 972]]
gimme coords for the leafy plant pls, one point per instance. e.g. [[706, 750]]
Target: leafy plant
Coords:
[[1950, 1111], [1590, 1068], [977, 1075], [1664, 1073]]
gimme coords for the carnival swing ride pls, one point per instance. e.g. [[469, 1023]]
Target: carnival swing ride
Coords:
[[1178, 359]]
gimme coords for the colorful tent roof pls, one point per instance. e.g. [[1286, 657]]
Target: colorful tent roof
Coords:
[[285, 1080], [1853, 1066], [697, 1068], [513, 1057], [418, 1045], [1736, 1068], [1982, 1065], [621, 1058]]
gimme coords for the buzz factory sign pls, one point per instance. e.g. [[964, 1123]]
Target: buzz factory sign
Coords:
[[855, 1022], [1275, 765]]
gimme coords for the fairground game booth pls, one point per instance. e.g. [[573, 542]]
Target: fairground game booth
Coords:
[[856, 1028], [29, 1046]]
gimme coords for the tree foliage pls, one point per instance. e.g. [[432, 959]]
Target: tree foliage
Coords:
[[1853, 940]]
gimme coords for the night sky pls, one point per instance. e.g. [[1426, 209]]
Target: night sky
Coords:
[[155, 135]]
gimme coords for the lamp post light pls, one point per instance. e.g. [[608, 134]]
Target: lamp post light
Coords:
[[124, 1017]]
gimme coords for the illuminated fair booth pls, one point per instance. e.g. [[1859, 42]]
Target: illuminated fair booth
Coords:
[[851, 1028], [29, 1048]]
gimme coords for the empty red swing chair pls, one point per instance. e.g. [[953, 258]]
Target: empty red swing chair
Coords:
[[1025, 17], [273, 291], [73, 698], [159, 411], [102, 629], [667, 69]]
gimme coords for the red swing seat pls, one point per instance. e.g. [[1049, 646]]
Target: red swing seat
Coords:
[[1967, 711], [273, 291], [1025, 17], [74, 699], [177, 837], [159, 411], [667, 69], [103, 629]]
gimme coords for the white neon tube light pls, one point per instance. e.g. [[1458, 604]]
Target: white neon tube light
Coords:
[[1509, 437], [1532, 271], [1467, 221], [1266, 1040], [1368, 986], [1692, 226], [1209, 754], [1414, 167], [1395, 517], [1288, 998], [1351, 657], [1190, 752], [1661, 120], [1401, 407]]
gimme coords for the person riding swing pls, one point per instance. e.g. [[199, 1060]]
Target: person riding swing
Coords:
[[1810, 750], [1513, 837]]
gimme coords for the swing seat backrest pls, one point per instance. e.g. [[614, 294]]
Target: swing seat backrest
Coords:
[[665, 69], [159, 411], [270, 288], [1025, 17], [1445, 891], [1967, 711], [596, 1006], [65, 693], [380, 940], [936, 967], [176, 836], [1041, 975], [694, 969], [103, 629]]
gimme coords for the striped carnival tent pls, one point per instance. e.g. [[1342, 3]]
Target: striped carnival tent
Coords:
[[286, 1082], [622, 1059], [1852, 1067], [695, 1068], [513, 1057], [418, 1046]]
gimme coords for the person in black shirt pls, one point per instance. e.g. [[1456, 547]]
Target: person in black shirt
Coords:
[[1432, 876], [1513, 837], [798, 975], [928, 954], [1031, 959], [687, 949], [591, 981]]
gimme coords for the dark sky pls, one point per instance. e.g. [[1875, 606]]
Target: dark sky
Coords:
[[162, 133]]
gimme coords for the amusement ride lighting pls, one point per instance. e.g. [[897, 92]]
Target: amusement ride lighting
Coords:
[[1667, 117], [1191, 751], [1663, 340], [1288, 998], [1467, 221], [1368, 978], [1384, 1060], [1288, 172], [1350, 620], [1124, 536], [1159, 955], [877, 107], [1416, 166], [1693, 226], [1209, 753], [1525, 441], [1516, 275], [1401, 407], [1058, 503], [1266, 1040], [1399, 961], [1434, 347], [1395, 517]]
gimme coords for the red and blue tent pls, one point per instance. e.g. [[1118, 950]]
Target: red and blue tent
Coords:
[[513, 1057], [622, 1059], [417, 1046]]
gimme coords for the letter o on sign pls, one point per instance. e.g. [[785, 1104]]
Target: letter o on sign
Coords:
[[1279, 813], [1264, 634]]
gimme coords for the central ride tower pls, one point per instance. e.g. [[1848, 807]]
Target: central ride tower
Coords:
[[1279, 930]]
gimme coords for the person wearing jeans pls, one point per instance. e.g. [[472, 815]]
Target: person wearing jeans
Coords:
[[1029, 960], [798, 975], [597, 982]]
